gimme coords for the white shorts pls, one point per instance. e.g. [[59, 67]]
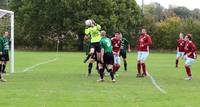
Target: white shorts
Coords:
[[189, 61], [116, 59], [180, 54], [142, 56]]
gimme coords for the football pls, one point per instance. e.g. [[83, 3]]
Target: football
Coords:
[[88, 22]]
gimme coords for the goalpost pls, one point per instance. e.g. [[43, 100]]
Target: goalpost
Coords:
[[7, 24]]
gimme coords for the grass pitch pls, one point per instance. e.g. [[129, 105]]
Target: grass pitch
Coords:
[[63, 83]]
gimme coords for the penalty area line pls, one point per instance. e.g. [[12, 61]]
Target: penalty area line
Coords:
[[155, 84], [36, 65]]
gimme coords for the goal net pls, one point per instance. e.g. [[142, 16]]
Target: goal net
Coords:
[[7, 25]]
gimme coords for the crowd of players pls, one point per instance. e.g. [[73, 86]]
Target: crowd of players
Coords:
[[106, 52]]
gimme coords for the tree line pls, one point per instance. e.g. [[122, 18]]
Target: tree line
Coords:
[[40, 23]]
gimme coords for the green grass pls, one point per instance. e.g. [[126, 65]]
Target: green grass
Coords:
[[63, 83]]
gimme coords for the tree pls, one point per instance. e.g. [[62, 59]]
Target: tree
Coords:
[[39, 21]]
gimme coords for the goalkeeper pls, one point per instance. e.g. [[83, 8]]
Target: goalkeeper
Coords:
[[93, 33]]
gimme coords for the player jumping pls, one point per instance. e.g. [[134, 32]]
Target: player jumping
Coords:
[[144, 41], [93, 33], [180, 48], [107, 58], [190, 51]]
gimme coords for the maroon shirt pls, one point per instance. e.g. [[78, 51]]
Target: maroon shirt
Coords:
[[181, 45], [144, 41], [116, 44], [190, 47]]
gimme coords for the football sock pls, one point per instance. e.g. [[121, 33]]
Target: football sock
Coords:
[[188, 71], [3, 68], [144, 68], [139, 68], [90, 68], [87, 58], [117, 68], [111, 74], [114, 68], [125, 65], [101, 73], [176, 63]]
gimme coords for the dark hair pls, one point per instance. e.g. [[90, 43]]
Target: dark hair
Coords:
[[189, 36], [118, 32]]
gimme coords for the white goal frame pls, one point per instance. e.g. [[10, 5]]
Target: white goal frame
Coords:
[[11, 38]]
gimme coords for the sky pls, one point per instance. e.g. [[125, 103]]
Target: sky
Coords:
[[190, 4]]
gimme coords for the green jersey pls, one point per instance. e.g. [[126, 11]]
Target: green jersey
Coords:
[[94, 32], [106, 44], [1, 44], [6, 44], [124, 43]]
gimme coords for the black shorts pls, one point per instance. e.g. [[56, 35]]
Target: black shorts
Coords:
[[96, 47], [108, 58], [4, 57], [123, 53]]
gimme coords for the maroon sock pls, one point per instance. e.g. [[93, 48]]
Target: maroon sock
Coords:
[[114, 68], [139, 68], [117, 68], [176, 62], [144, 68], [188, 71]]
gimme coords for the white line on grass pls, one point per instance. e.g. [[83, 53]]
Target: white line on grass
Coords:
[[156, 85], [45, 62]]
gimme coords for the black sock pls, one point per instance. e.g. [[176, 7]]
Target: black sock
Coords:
[[101, 73], [90, 68], [125, 65], [0, 71], [111, 74], [3, 68], [87, 58]]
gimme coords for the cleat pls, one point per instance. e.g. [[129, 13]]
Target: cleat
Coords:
[[138, 76], [113, 80], [101, 80], [2, 80], [143, 75], [188, 78]]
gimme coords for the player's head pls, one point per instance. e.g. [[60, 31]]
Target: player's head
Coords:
[[188, 37], [181, 35], [144, 31], [103, 33], [118, 35]]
